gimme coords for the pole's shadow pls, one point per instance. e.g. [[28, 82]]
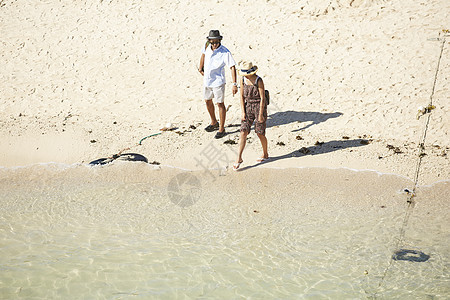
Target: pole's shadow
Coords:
[[317, 149]]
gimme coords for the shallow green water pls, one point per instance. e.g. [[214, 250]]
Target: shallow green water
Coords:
[[131, 231]]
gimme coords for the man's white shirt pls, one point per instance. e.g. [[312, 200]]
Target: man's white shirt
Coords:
[[214, 67]]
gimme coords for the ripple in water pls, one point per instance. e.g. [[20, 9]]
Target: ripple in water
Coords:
[[123, 231]]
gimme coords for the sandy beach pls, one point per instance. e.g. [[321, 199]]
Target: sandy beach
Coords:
[[355, 182], [85, 80]]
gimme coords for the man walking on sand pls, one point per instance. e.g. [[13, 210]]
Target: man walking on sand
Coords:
[[212, 66]]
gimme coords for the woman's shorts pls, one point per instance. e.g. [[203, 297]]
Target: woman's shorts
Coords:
[[251, 114], [218, 93]]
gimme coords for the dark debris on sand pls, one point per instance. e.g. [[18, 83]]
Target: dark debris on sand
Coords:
[[365, 142], [304, 150], [395, 149], [230, 142]]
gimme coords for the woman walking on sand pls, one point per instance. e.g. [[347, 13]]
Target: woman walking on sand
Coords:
[[253, 107]]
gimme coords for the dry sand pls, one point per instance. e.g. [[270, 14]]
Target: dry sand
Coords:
[[82, 80]]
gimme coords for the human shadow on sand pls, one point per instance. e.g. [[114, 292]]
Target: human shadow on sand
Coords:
[[290, 116], [319, 148]]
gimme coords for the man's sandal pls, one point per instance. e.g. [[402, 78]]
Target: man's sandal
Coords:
[[211, 128]]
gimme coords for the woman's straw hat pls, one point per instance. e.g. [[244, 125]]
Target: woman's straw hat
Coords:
[[247, 68]]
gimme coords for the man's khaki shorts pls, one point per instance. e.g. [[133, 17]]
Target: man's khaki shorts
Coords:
[[218, 93]]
